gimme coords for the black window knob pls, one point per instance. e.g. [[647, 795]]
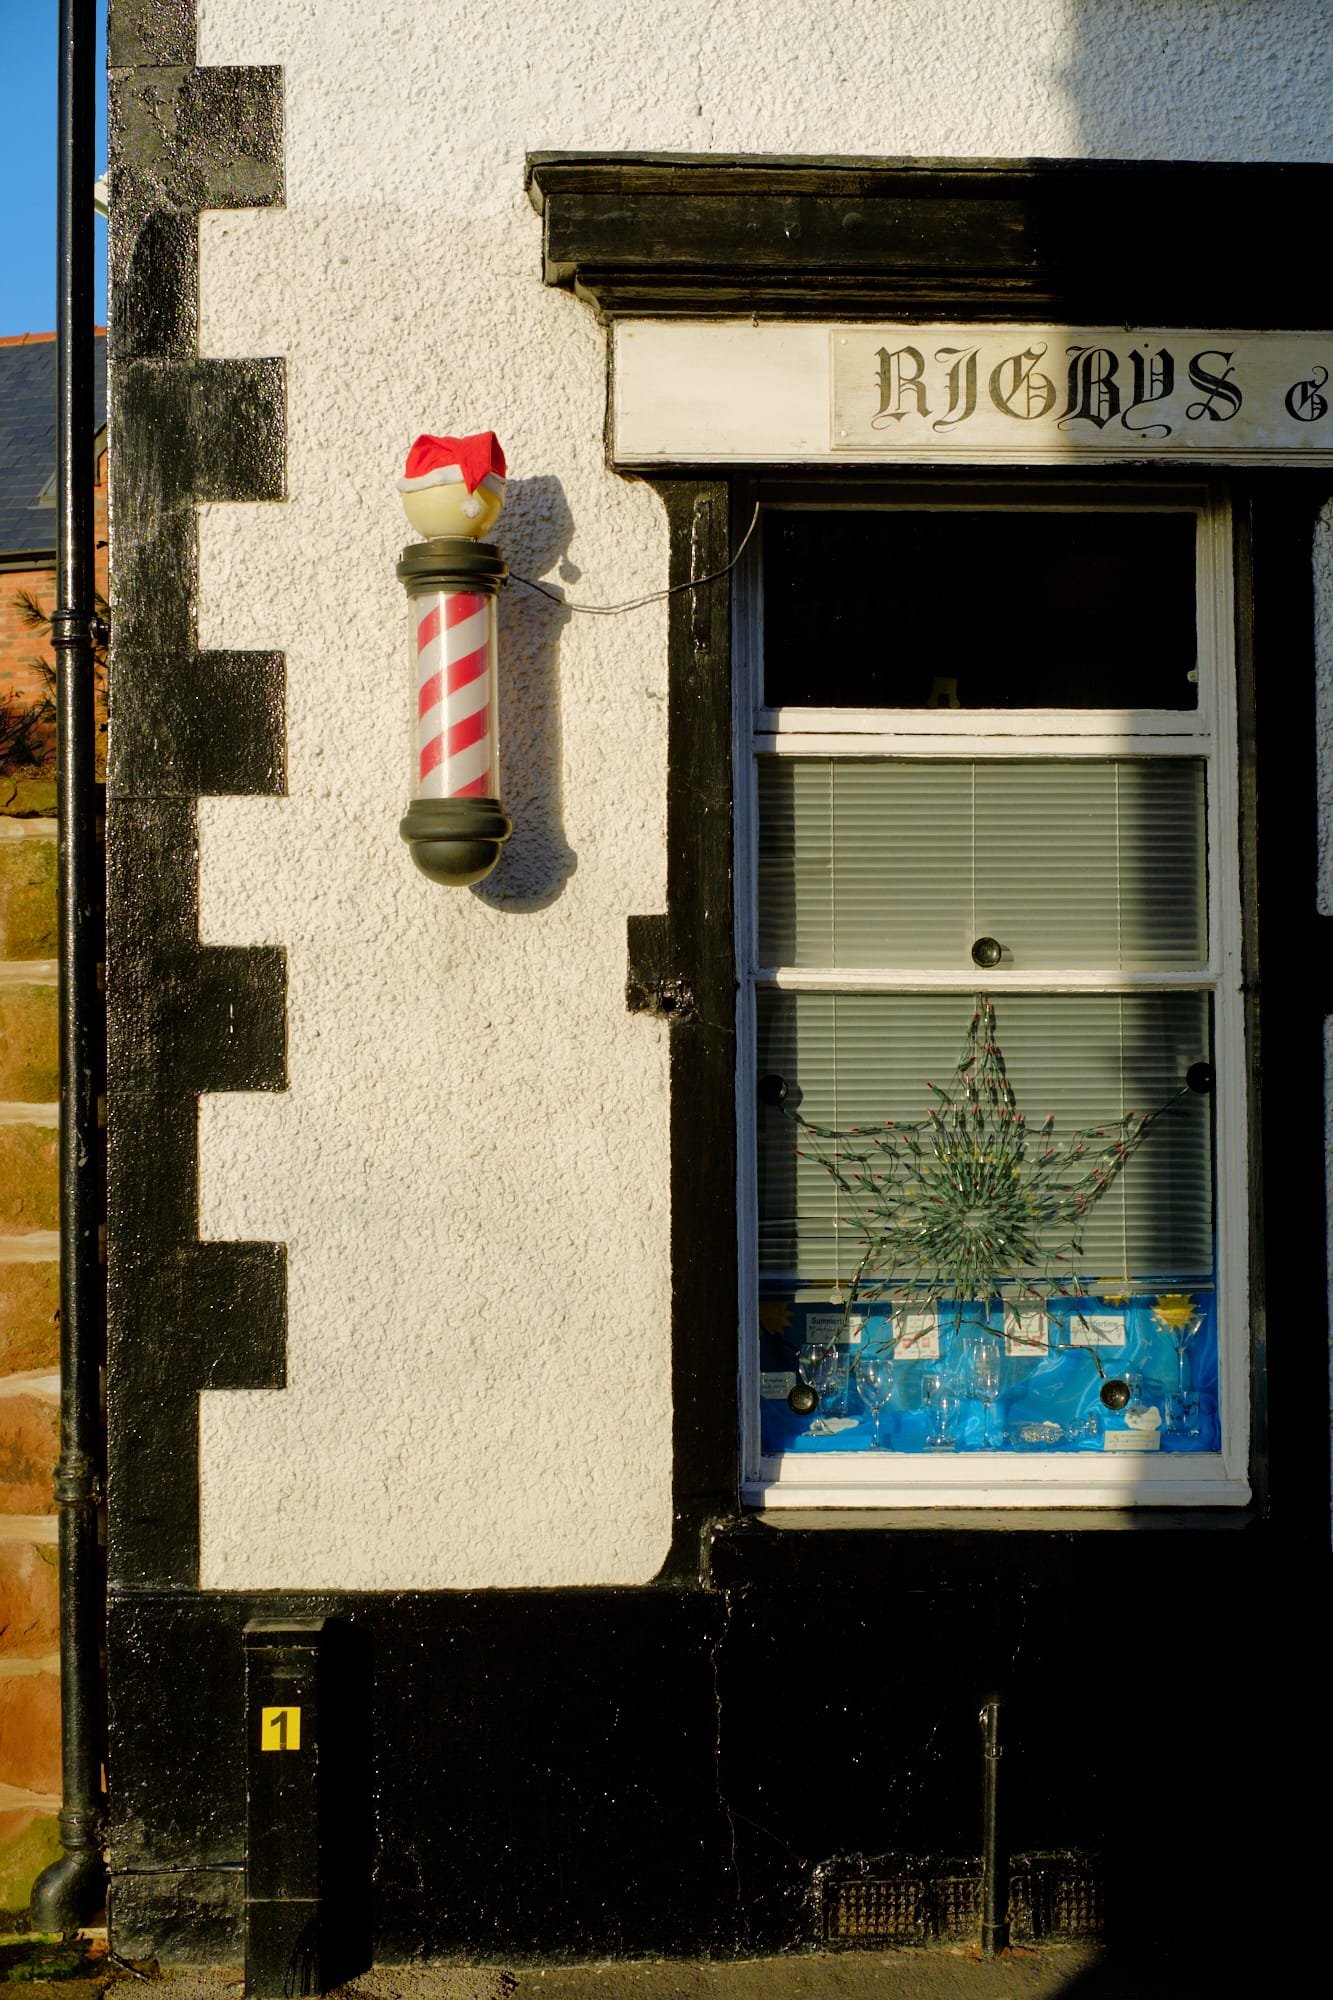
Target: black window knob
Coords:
[[987, 952]]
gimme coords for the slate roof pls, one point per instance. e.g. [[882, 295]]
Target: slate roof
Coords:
[[28, 443]]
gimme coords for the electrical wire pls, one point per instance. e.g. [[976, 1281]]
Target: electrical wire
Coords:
[[653, 597]]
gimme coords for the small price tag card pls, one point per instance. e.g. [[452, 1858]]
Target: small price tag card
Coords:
[[1097, 1330], [776, 1384], [822, 1328], [917, 1336], [1027, 1336]]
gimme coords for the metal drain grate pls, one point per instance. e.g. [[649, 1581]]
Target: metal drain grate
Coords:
[[1066, 1895], [957, 1906], [1054, 1897], [876, 1910]]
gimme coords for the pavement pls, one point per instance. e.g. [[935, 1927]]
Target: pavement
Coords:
[[1055, 1972], [1210, 1965]]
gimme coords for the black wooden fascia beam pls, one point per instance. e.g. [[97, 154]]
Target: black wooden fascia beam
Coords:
[[1093, 241]]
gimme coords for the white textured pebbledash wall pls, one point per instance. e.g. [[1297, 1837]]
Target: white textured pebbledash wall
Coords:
[[469, 1168]]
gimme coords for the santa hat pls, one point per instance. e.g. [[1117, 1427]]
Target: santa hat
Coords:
[[446, 461]]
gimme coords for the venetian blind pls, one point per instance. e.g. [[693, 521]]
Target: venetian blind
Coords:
[[1074, 864], [854, 1058]]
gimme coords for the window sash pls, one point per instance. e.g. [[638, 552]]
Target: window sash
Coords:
[[1077, 864], [860, 1059]]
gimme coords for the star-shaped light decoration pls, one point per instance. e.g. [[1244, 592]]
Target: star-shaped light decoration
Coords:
[[968, 1201]]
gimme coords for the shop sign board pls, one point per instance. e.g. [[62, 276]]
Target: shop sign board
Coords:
[[790, 393]]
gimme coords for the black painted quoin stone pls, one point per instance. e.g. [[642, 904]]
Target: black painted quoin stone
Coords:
[[604, 1771]]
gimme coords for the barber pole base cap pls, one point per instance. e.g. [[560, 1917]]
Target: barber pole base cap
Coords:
[[455, 841]]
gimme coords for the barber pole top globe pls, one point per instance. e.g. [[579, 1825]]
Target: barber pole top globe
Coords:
[[454, 486], [452, 491]]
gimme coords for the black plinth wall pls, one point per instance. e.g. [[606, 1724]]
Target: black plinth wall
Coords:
[[672, 1771]]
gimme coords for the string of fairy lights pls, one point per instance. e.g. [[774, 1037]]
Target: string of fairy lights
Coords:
[[969, 1204]]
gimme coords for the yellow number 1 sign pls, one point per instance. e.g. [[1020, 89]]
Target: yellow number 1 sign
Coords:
[[279, 1728]]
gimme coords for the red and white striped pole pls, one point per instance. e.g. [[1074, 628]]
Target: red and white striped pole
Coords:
[[455, 824], [455, 647]]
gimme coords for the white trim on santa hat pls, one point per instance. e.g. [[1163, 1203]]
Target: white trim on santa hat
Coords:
[[451, 475]]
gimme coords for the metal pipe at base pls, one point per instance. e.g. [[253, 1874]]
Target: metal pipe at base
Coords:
[[994, 1859], [72, 1891]]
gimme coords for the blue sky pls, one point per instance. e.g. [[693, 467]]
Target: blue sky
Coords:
[[28, 165]]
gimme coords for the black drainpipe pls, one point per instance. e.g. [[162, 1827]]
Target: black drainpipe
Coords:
[[994, 1855], [72, 1890]]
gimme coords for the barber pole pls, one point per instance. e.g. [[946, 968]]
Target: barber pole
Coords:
[[455, 695], [453, 490]]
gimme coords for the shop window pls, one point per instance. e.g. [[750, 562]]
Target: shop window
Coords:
[[994, 1211]]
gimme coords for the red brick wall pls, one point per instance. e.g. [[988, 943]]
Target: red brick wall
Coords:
[[29, 1350], [29, 1271], [20, 679], [29, 1354]]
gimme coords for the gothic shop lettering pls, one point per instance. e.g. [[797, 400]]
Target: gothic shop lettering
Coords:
[[1305, 400], [1079, 384], [1017, 390], [1219, 390]]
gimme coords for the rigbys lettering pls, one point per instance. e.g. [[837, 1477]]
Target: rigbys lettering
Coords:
[[1305, 401], [1017, 390], [1134, 388], [1221, 398], [962, 379], [1094, 397], [901, 372], [1154, 380]]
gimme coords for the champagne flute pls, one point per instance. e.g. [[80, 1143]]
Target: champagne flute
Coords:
[[874, 1385], [987, 1372], [942, 1401], [932, 1381]]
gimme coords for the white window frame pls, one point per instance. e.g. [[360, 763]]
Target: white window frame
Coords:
[[1055, 1479]]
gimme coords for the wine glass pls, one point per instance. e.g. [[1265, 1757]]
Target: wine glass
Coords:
[[947, 1404], [1182, 1405], [808, 1361], [819, 1366], [874, 1385], [987, 1371], [828, 1378]]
